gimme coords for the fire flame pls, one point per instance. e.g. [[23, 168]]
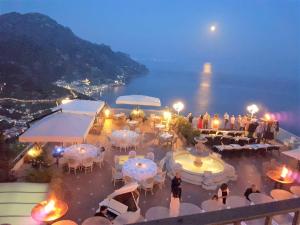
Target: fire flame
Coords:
[[49, 207], [284, 172]]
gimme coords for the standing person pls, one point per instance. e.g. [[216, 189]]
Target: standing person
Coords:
[[205, 121], [226, 120], [200, 122], [232, 122], [239, 121], [259, 132], [223, 192], [250, 190], [175, 196], [190, 118], [243, 123]]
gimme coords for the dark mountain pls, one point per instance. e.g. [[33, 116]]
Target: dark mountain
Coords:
[[35, 51]]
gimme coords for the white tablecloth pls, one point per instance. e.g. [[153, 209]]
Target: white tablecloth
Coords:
[[147, 169], [81, 152], [124, 137], [166, 136]]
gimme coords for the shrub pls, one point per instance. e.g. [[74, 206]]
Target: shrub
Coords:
[[39, 176], [183, 127]]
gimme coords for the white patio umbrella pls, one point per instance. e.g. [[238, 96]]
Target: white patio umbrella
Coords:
[[138, 100]]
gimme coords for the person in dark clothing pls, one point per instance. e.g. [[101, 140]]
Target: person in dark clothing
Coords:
[[190, 118], [250, 190], [103, 212], [175, 186], [223, 192]]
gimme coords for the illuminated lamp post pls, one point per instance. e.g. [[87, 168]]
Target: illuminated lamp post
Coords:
[[178, 107], [252, 109]]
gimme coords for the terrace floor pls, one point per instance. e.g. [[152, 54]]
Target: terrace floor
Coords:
[[85, 191]]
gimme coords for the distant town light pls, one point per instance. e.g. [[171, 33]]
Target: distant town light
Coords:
[[252, 109], [178, 106]]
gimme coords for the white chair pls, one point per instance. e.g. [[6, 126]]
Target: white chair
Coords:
[[87, 165], [161, 164], [132, 154], [160, 178], [116, 176], [150, 155], [147, 185], [99, 160], [73, 166]]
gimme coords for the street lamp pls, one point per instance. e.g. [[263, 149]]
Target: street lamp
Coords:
[[252, 109], [178, 106]]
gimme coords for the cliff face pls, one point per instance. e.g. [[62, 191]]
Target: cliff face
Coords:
[[35, 51]]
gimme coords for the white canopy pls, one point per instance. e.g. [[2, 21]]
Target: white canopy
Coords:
[[82, 107], [59, 127], [138, 100], [293, 153]]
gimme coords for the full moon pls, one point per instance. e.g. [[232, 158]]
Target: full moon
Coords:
[[212, 28]]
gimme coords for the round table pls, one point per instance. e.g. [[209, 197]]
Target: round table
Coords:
[[279, 194], [65, 222], [233, 201], [96, 220], [160, 126], [212, 205], [156, 213], [139, 168], [166, 135], [260, 198], [295, 190], [133, 123], [127, 137], [81, 152], [275, 176], [188, 209]]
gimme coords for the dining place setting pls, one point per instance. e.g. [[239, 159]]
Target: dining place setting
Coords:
[[141, 169], [83, 157]]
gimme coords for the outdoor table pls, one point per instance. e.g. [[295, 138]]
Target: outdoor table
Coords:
[[166, 135], [201, 140], [212, 205], [124, 137], [119, 115], [132, 123], [139, 169], [96, 220], [275, 176], [160, 126], [156, 213], [295, 190], [233, 201], [260, 198], [65, 222], [81, 152], [188, 209], [279, 194]]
